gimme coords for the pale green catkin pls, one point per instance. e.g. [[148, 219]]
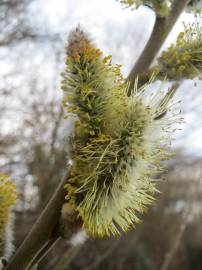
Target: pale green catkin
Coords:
[[118, 145], [183, 59]]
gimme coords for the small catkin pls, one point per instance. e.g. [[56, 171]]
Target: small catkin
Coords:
[[7, 199], [183, 59], [118, 145]]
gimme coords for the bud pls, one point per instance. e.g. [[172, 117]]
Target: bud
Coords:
[[118, 145], [160, 7]]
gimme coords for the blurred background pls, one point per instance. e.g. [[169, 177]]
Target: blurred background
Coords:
[[33, 132]]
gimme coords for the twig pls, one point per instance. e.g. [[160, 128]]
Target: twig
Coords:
[[55, 131], [102, 257], [170, 255], [184, 224], [68, 257], [162, 28], [42, 231], [44, 252]]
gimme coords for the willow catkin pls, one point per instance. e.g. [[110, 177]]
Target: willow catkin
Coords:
[[184, 58], [7, 199], [118, 145]]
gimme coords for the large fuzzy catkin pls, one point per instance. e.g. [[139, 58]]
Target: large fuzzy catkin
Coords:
[[7, 199], [117, 146]]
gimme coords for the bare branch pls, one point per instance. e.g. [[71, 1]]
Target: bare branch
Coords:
[[68, 257], [43, 230], [55, 131], [102, 257], [172, 252]]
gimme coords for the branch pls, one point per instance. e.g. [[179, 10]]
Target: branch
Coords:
[[42, 231], [171, 254], [161, 30], [44, 251], [20, 35], [102, 257], [68, 257], [55, 131]]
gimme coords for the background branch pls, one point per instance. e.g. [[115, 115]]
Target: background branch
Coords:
[[68, 257], [170, 255], [42, 231]]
